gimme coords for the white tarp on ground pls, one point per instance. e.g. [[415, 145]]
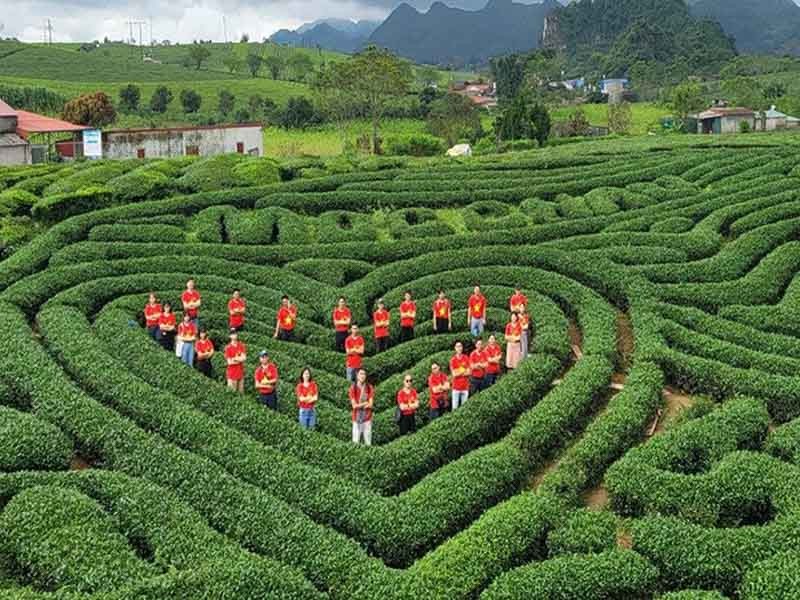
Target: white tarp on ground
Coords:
[[460, 150]]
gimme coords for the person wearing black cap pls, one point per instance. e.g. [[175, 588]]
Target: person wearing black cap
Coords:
[[266, 381]]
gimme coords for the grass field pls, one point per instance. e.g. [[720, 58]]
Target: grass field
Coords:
[[645, 116]]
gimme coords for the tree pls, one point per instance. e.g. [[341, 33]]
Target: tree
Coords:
[[509, 73], [227, 102], [523, 119], [746, 92], [254, 62], [245, 38], [299, 112], [428, 77], [94, 110], [160, 99], [129, 97], [232, 62], [454, 117], [686, 99], [619, 118], [198, 54], [275, 64], [191, 101], [300, 66], [578, 124], [371, 79]]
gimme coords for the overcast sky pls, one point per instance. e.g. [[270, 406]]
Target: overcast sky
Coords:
[[183, 20]]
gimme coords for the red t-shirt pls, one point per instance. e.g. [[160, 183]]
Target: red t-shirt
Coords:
[[514, 330], [477, 360], [441, 309], [459, 369], [187, 297], [187, 330], [411, 308], [477, 306], [203, 346], [351, 344], [287, 318], [435, 381], [380, 320], [407, 397], [303, 391], [342, 314], [517, 301], [152, 312], [236, 319], [355, 396], [270, 372], [493, 351], [235, 372], [525, 321], [167, 319]]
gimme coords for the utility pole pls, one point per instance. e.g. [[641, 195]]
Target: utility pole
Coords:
[[48, 32], [139, 24], [224, 29]]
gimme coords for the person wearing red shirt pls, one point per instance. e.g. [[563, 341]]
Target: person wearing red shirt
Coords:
[[204, 350], [285, 321], [265, 379], [476, 315], [380, 323], [362, 397], [438, 385], [166, 328], [525, 324], [408, 317], [477, 367], [441, 314], [513, 335], [152, 313], [459, 372], [407, 403], [307, 395], [341, 323], [236, 309], [187, 334], [517, 301], [235, 357], [354, 347], [494, 354], [191, 302]]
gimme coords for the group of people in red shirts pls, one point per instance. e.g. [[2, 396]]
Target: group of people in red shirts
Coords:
[[447, 389]]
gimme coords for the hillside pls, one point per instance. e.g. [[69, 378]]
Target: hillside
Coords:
[[339, 35], [451, 36]]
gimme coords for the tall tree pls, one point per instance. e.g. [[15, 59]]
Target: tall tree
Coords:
[[300, 66], [191, 101], [129, 97], [232, 62], [509, 73], [454, 117], [686, 99], [226, 102], [95, 110], [254, 62], [619, 118], [523, 119], [198, 54], [160, 99], [275, 65]]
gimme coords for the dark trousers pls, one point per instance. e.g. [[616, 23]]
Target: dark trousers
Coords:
[[435, 413], [406, 334], [167, 340], [341, 336], [442, 325], [408, 424], [269, 400], [285, 335], [381, 344], [477, 384], [154, 332], [204, 366], [490, 379], [237, 328]]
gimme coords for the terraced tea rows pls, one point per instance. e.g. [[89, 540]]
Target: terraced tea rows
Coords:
[[645, 269]]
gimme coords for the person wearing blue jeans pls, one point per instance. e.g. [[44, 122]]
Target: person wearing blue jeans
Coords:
[[187, 334], [307, 394]]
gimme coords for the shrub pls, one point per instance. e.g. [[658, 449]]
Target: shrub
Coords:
[[414, 145], [58, 207], [16, 202]]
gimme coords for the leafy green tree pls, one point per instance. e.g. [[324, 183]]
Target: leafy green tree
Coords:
[[254, 63], [299, 113], [746, 92], [300, 66], [226, 102], [523, 119], [232, 62], [160, 99], [687, 98], [198, 54], [129, 97], [774, 90], [191, 101], [94, 110], [275, 65], [428, 77], [454, 117], [619, 118], [509, 74]]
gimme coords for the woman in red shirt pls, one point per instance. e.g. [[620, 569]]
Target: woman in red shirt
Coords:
[[408, 317], [152, 312], [441, 314], [166, 328], [237, 307], [307, 395], [513, 335], [380, 324], [407, 404], [362, 397], [204, 350]]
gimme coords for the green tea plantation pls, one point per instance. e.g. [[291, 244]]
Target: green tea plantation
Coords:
[[648, 447]]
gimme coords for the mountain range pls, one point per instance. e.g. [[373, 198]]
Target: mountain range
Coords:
[[339, 35]]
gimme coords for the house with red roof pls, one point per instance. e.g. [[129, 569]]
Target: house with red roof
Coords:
[[25, 136]]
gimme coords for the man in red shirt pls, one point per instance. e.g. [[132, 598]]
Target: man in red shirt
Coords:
[[380, 323], [236, 309], [235, 357], [285, 322], [408, 317], [438, 385], [408, 403], [476, 315], [459, 372], [441, 314], [204, 350], [191, 302], [341, 323], [517, 301], [266, 381], [152, 313], [494, 354], [354, 347], [477, 365]]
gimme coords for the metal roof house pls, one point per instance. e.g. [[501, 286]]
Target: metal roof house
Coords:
[[724, 119], [13, 149], [773, 119]]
